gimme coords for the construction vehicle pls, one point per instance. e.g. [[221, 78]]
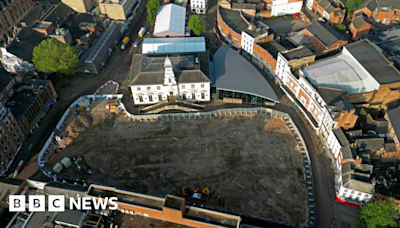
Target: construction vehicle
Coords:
[[196, 193]]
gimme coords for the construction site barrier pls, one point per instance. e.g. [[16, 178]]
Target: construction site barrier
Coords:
[[105, 84], [247, 111], [204, 115]]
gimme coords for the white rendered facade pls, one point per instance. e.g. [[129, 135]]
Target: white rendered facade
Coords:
[[247, 42], [152, 94], [199, 6], [355, 190], [283, 7]]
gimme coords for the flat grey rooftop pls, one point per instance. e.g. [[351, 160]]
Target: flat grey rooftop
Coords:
[[234, 73]]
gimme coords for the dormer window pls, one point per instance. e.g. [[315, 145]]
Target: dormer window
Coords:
[[170, 80]]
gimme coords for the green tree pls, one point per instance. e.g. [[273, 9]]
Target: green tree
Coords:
[[196, 25], [340, 28], [351, 5], [44, 7], [152, 7], [378, 214], [51, 56]]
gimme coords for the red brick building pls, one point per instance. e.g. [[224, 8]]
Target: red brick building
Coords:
[[323, 36], [332, 11], [380, 11], [11, 13], [359, 26]]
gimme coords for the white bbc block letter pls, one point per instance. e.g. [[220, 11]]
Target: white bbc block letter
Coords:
[[37, 203], [56, 203], [17, 203]]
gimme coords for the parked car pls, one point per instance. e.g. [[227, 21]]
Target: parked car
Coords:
[[136, 43]]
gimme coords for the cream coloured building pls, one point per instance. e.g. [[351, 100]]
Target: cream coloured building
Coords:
[[80, 6], [118, 9]]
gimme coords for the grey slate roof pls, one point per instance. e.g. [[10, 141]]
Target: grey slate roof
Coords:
[[273, 48], [372, 144], [347, 152], [233, 19], [342, 105], [370, 4], [149, 69], [359, 20], [5, 78], [28, 40], [331, 95], [353, 133], [394, 117], [324, 33], [236, 5], [234, 73], [380, 126], [40, 218], [70, 217], [341, 137], [330, 9], [298, 53], [390, 147], [56, 14], [324, 3], [374, 62]]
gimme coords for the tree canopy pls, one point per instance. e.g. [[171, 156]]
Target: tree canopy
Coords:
[[51, 56], [378, 214], [196, 25], [351, 5], [152, 7], [340, 28]]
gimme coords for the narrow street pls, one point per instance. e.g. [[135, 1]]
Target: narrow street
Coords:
[[116, 70]]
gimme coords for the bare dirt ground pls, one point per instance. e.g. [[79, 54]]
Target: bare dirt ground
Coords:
[[251, 164]]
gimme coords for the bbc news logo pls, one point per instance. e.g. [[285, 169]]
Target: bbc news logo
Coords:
[[56, 203]]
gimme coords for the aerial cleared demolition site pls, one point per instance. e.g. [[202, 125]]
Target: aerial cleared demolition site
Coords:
[[250, 164]]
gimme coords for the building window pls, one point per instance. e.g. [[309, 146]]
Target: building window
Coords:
[[138, 88], [158, 87], [160, 97], [260, 57], [192, 86], [140, 98], [203, 96], [193, 96], [6, 148], [183, 86], [202, 85], [170, 81], [390, 125], [397, 143], [148, 87], [150, 98]]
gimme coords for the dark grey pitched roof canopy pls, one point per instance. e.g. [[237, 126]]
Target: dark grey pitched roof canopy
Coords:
[[234, 73]]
